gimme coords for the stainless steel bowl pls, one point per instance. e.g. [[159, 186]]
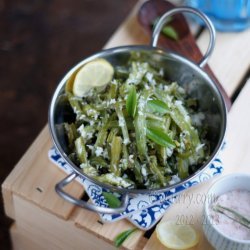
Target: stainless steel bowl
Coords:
[[188, 74]]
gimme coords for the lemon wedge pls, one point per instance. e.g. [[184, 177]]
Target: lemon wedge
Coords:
[[70, 81], [96, 73], [176, 236]]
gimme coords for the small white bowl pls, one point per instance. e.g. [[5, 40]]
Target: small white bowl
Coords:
[[217, 238]]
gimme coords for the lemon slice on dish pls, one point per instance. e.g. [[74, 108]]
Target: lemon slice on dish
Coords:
[[176, 236], [70, 81], [96, 73]]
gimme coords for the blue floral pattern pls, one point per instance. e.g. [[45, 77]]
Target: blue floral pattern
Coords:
[[143, 210]]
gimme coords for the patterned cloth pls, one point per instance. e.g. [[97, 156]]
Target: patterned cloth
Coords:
[[143, 211]]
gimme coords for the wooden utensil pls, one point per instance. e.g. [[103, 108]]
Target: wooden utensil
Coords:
[[185, 45]]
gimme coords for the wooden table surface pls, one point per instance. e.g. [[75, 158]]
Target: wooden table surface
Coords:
[[30, 80], [39, 41]]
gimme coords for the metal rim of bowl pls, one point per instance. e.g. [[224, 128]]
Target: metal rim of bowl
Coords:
[[136, 48]]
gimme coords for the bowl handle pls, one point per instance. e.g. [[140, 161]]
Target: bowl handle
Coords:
[[162, 21], [59, 189]]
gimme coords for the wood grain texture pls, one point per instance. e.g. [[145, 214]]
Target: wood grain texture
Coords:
[[20, 240], [129, 32], [230, 60], [34, 179], [108, 231], [52, 232], [236, 156]]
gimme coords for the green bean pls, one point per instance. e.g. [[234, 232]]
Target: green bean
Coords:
[[89, 170], [98, 161], [113, 124], [123, 90], [138, 70], [113, 132], [154, 117], [81, 150], [162, 154], [112, 91], [101, 137], [162, 124], [182, 167], [71, 132], [75, 104], [116, 149], [179, 116], [137, 172], [112, 179], [102, 134], [140, 125], [101, 107], [173, 131], [89, 111], [122, 123], [86, 131], [156, 171], [167, 123], [121, 72], [126, 163]]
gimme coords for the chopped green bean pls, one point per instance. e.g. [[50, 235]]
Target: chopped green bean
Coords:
[[122, 123], [98, 161], [113, 132], [81, 150], [71, 132], [156, 171], [138, 131], [116, 149], [112, 179], [89, 170], [90, 111], [101, 137], [162, 154], [112, 91], [138, 173], [140, 125], [154, 117], [182, 167], [76, 105]]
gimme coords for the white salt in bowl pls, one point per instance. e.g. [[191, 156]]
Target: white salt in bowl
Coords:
[[217, 238]]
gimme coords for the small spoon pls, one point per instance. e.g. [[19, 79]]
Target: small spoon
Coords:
[[185, 45]]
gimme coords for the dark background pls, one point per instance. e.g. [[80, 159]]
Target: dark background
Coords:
[[40, 40]]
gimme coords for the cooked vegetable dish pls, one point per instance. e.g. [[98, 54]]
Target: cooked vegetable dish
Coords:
[[133, 129]]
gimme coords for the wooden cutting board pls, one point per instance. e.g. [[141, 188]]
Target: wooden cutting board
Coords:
[[185, 45]]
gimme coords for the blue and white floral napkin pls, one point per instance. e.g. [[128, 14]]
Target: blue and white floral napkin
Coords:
[[143, 210]]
